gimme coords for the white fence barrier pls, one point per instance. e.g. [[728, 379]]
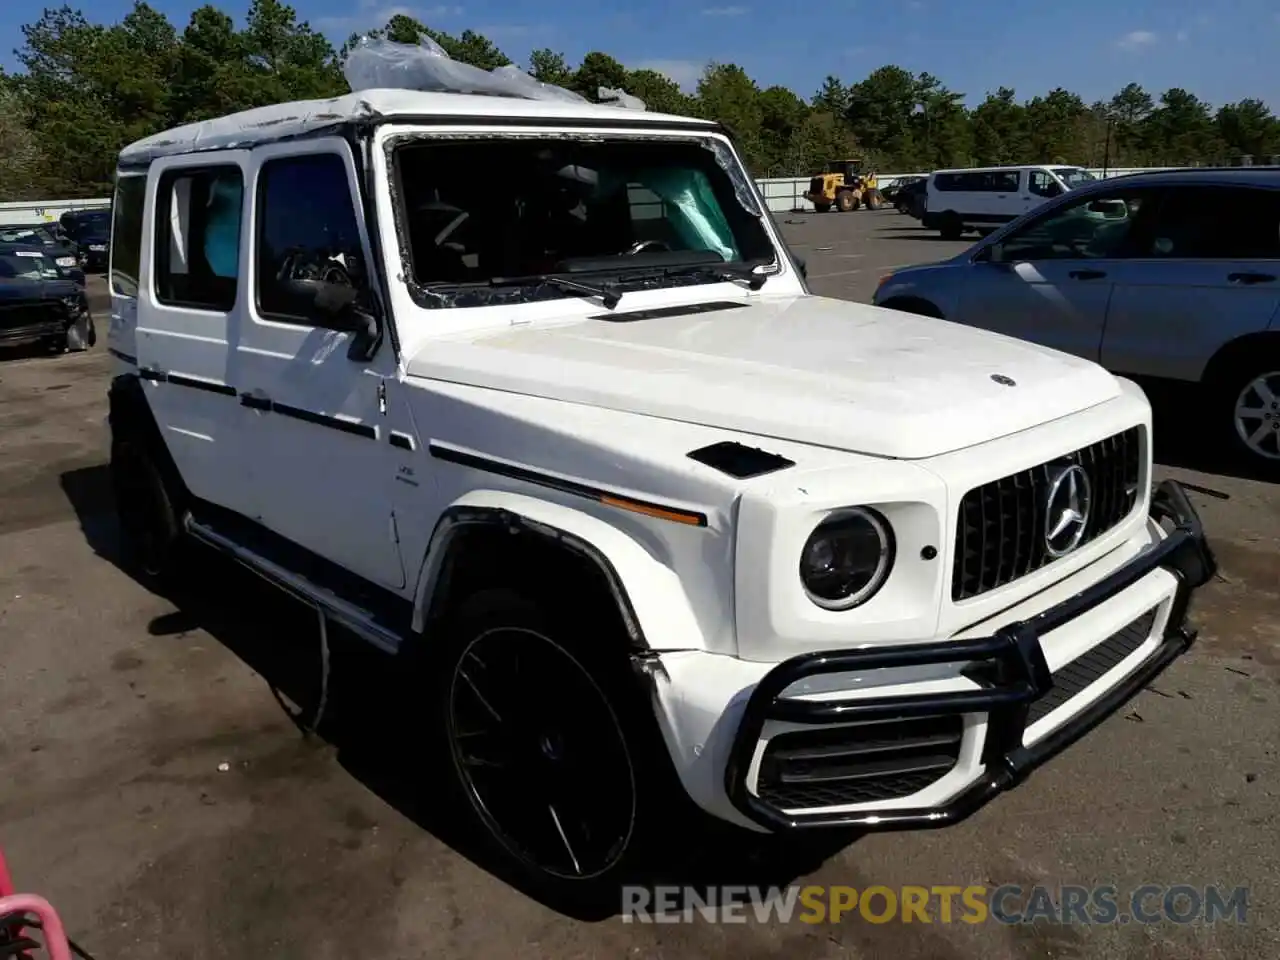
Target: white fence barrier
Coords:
[[786, 194], [781, 194], [45, 211]]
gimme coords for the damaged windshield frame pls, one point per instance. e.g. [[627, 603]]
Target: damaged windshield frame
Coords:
[[743, 234]]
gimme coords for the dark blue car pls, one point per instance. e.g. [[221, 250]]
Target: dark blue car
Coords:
[[40, 302], [63, 250], [91, 232]]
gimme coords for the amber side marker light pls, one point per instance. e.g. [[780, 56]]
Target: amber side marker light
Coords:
[[662, 513]]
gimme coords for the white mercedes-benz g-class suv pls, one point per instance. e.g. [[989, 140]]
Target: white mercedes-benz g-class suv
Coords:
[[533, 395]]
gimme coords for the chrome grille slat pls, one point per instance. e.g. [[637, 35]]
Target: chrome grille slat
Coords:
[[986, 560]]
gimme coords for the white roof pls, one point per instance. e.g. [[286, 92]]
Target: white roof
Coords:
[[284, 120]]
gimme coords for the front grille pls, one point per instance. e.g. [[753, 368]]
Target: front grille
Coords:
[[836, 766], [1073, 677], [1001, 527]]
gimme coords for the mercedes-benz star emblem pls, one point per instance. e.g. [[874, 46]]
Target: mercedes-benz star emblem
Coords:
[[1001, 379], [1066, 509]]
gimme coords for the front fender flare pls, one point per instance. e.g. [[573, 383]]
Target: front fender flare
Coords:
[[650, 597]]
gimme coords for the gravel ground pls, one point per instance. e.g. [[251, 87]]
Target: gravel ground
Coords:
[[118, 708]]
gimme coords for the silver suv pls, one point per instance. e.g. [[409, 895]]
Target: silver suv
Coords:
[[1172, 275]]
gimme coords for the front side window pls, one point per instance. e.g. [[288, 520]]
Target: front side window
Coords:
[[306, 230], [1044, 185], [126, 234], [197, 237], [479, 215], [1102, 226], [1074, 177]]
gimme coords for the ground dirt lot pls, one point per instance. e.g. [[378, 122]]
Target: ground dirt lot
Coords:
[[117, 708]]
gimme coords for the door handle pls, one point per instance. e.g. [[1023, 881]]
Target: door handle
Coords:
[[1250, 278], [1087, 274]]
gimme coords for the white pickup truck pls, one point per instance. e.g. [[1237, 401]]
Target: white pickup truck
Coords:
[[532, 396]]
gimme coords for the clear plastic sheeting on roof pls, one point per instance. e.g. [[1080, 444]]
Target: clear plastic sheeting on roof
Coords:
[[379, 63], [619, 98]]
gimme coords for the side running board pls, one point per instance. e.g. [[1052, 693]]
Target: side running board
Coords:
[[358, 620]]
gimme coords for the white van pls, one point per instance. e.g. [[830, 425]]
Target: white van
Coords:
[[961, 200]]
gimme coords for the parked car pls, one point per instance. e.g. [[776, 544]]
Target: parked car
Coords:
[[986, 197], [61, 248], [894, 190], [1172, 275], [640, 518], [91, 231], [40, 303], [913, 199]]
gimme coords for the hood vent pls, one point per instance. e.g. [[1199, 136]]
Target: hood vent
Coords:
[[683, 310], [740, 461]]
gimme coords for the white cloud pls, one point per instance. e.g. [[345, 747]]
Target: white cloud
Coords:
[[683, 73], [374, 13], [1136, 40], [724, 11]]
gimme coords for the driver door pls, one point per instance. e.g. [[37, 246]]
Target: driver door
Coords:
[[1050, 281], [317, 414]]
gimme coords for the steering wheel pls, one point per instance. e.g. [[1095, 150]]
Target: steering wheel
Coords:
[[643, 245], [332, 271]]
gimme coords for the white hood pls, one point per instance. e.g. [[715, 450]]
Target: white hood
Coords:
[[808, 369]]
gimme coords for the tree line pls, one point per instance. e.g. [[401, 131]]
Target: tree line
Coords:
[[87, 89]]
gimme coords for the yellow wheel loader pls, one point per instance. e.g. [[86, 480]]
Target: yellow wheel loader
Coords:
[[846, 185]]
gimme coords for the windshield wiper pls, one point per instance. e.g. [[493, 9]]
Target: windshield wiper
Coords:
[[732, 270], [607, 292]]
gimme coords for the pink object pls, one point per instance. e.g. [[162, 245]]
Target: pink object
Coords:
[[55, 938], [6, 882]]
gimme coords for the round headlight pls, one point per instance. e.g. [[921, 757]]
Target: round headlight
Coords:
[[847, 558]]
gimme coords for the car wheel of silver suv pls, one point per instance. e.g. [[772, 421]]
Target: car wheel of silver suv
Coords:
[[1254, 396]]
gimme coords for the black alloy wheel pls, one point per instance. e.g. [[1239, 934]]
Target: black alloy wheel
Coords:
[[540, 753]]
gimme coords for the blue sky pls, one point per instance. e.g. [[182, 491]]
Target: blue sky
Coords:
[[1091, 46]]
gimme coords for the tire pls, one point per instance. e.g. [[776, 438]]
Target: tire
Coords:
[[1252, 386], [874, 200], [846, 201], [81, 335], [150, 529], [551, 747], [950, 226]]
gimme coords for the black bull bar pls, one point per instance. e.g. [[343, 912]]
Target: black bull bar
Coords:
[[1016, 676]]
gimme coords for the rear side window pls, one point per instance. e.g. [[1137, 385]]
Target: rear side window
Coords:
[[1217, 223], [126, 234], [197, 237], [978, 181]]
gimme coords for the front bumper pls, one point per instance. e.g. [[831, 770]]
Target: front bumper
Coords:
[[1014, 675]]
